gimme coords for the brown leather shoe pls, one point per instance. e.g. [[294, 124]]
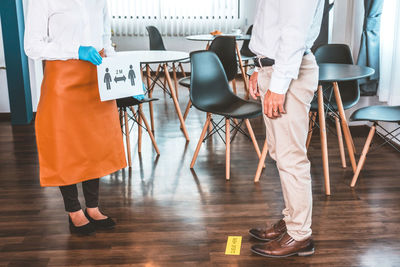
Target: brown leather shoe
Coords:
[[270, 233], [284, 247]]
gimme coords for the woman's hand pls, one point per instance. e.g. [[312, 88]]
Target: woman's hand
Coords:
[[253, 88], [89, 53]]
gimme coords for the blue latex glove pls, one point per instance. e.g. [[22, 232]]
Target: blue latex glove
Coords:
[[141, 97], [89, 53]]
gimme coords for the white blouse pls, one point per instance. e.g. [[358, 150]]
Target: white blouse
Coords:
[[55, 29]]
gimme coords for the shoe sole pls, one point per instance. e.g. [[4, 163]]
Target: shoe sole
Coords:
[[75, 232], [301, 254], [259, 238]]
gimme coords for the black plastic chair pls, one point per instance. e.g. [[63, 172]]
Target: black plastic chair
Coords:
[[128, 103], [210, 92], [376, 114], [155, 38], [225, 48], [245, 51], [157, 43], [349, 91]]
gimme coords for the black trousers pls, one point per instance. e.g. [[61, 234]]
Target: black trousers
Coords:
[[90, 192]]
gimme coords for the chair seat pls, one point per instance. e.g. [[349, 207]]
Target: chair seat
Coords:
[[377, 113], [131, 101], [348, 100], [185, 82], [237, 109], [245, 58]]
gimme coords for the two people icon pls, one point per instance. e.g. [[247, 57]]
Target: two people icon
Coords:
[[108, 78]]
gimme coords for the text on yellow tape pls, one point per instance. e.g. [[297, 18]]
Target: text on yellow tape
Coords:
[[233, 245]]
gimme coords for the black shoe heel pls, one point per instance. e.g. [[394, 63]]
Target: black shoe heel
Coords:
[[84, 230], [105, 224]]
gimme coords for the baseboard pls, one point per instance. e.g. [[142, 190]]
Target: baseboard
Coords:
[[5, 116]]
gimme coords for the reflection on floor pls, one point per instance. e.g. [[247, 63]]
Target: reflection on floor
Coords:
[[169, 215]]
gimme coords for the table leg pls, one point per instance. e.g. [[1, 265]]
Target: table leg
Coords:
[[139, 130], [340, 140], [345, 126], [324, 143], [175, 80], [176, 103], [150, 90], [246, 85], [228, 148]]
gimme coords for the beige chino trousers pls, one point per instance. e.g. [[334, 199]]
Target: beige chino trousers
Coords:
[[286, 137]]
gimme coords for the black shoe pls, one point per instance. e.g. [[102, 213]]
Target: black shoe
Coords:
[[106, 224], [84, 230]]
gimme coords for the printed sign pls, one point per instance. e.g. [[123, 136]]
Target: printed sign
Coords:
[[119, 76]]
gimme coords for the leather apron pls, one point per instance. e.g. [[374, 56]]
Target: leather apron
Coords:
[[78, 137]]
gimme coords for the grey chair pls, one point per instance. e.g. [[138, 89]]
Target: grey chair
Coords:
[[376, 115]]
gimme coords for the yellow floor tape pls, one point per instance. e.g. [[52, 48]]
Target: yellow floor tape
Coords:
[[233, 245]]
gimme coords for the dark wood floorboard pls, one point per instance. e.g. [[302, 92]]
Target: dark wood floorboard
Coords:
[[168, 215]]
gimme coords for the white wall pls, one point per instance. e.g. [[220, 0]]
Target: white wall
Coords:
[[348, 23]]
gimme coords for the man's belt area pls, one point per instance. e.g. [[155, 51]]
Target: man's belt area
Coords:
[[267, 62]]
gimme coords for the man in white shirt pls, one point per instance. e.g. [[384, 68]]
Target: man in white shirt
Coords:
[[286, 79]]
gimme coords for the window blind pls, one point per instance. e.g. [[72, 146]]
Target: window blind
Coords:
[[174, 17]]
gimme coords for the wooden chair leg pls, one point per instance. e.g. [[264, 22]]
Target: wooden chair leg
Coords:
[[182, 70], [139, 131], [150, 95], [253, 137], [175, 80], [189, 105], [234, 86], [244, 75], [153, 140], [345, 127], [363, 155], [324, 143], [228, 148], [210, 126], [128, 142], [176, 103], [313, 116], [261, 162], [340, 140], [203, 134]]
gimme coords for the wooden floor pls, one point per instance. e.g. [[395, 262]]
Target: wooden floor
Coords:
[[168, 215]]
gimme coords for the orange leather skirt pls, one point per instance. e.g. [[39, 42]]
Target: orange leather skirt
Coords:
[[78, 137]]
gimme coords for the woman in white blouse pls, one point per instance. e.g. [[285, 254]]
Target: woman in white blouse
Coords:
[[78, 137]]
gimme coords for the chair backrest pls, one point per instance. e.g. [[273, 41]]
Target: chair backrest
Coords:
[[209, 84], [156, 41], [225, 48], [341, 54], [245, 50]]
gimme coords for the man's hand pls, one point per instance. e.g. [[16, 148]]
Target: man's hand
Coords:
[[274, 104], [253, 88]]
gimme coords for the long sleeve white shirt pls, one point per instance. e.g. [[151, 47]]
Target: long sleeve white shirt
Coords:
[[55, 29], [283, 30]]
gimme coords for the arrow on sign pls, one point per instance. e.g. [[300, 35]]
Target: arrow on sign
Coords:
[[120, 79]]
